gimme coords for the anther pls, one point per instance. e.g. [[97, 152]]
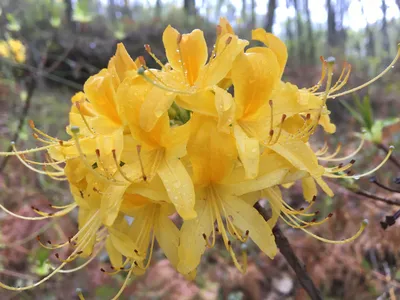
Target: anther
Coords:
[[38, 238], [219, 30], [136, 251], [61, 142], [57, 255], [229, 244], [330, 215], [136, 264], [308, 117], [147, 48], [316, 212], [31, 124], [314, 198], [79, 252], [228, 40], [179, 39], [142, 61], [98, 152], [102, 270], [49, 242], [352, 161]]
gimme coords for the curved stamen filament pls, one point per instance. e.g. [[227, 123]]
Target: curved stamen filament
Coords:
[[78, 106], [148, 50], [57, 214], [323, 150], [323, 73], [336, 152], [340, 168], [128, 276], [119, 167], [358, 176], [345, 157], [370, 81], [33, 127], [101, 177]]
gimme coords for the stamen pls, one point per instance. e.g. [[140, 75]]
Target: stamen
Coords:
[[120, 168], [139, 149], [280, 129], [58, 214], [372, 80], [338, 148], [348, 156], [323, 73], [358, 176], [148, 50], [79, 293], [78, 106]]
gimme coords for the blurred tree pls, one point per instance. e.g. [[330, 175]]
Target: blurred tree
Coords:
[[385, 34], [68, 14], [111, 10], [332, 33], [243, 15], [190, 7], [253, 13], [369, 35], [157, 14], [299, 30], [310, 33], [270, 15]]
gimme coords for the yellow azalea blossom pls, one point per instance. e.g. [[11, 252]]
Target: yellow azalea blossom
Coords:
[[148, 144], [188, 74], [13, 49]]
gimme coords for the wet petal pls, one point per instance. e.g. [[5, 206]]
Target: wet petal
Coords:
[[123, 243], [249, 152], [189, 56], [111, 202], [226, 109], [309, 188], [167, 236], [246, 217], [122, 62], [192, 244], [179, 186], [114, 255], [254, 76], [274, 43]]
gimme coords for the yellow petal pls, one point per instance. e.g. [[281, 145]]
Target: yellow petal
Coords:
[[309, 188], [192, 244], [167, 236], [299, 155], [226, 109], [122, 62], [202, 102], [113, 254], [254, 76], [325, 122], [189, 55], [229, 46], [157, 103], [324, 186], [225, 26], [249, 152], [246, 217], [111, 202], [274, 43], [179, 186], [100, 91], [274, 196], [123, 243], [212, 153]]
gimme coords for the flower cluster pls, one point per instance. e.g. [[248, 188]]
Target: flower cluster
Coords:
[[13, 49], [204, 137]]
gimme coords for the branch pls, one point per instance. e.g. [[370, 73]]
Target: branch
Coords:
[[287, 251], [375, 197], [31, 85]]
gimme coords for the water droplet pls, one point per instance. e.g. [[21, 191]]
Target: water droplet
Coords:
[[356, 177], [254, 150], [391, 147], [392, 67]]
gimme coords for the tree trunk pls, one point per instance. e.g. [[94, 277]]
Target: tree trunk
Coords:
[[111, 10], [385, 34], [68, 14], [270, 15], [157, 13], [310, 33], [299, 29], [332, 35], [190, 7], [243, 15], [253, 13]]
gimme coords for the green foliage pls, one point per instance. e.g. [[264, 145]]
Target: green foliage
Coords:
[[362, 112]]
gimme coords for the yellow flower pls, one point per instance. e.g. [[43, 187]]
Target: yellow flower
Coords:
[[188, 74], [13, 49]]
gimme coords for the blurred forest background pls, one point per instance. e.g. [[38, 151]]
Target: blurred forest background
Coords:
[[66, 41]]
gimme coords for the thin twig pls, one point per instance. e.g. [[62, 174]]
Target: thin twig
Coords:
[[287, 251], [375, 197], [31, 85]]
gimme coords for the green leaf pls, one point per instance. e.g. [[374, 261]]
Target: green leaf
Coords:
[[378, 126]]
